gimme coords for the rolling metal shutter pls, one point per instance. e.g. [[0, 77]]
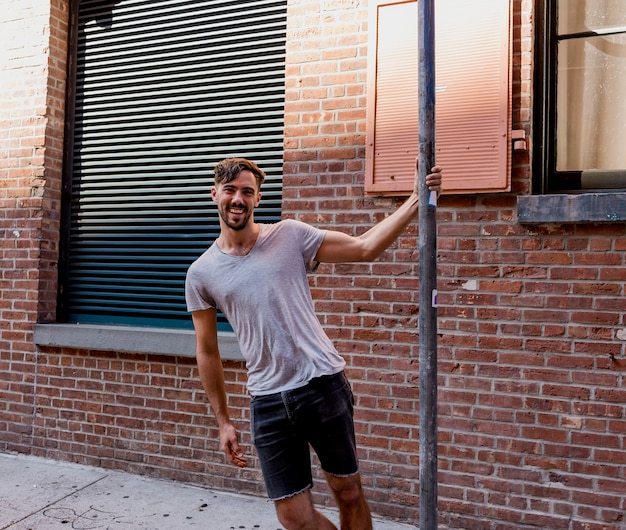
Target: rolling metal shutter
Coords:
[[164, 90]]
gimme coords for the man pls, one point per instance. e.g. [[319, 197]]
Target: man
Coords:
[[256, 274]]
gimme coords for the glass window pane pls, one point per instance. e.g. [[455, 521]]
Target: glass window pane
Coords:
[[577, 16], [591, 107]]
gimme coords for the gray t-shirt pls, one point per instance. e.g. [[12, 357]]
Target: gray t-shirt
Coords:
[[266, 298]]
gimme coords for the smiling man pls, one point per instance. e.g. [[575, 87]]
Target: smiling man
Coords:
[[256, 274]]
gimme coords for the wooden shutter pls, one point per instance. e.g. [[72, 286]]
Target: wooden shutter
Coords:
[[164, 90], [473, 117]]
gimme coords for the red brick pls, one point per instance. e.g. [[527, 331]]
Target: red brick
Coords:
[[530, 363]]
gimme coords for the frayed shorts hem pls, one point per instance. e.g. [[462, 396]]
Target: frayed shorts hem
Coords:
[[343, 475], [290, 495]]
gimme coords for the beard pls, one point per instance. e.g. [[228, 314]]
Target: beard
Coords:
[[242, 220]]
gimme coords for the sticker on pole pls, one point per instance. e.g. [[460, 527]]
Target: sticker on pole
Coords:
[[434, 298]]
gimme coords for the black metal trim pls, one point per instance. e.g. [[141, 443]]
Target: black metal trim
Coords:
[[68, 142], [540, 144], [546, 178]]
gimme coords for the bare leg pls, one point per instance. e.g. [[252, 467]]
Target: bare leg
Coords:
[[354, 512], [298, 513]]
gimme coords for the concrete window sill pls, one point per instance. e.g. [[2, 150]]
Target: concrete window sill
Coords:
[[575, 208], [131, 339]]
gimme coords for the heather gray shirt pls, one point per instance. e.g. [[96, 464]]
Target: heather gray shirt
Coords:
[[266, 298]]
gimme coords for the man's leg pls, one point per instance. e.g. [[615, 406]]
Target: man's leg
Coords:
[[332, 435], [354, 513], [298, 513]]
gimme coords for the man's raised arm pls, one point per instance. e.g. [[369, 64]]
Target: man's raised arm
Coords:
[[338, 247]]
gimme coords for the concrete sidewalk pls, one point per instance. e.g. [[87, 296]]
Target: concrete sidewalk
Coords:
[[41, 494]]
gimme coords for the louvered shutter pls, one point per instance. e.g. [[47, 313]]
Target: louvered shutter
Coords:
[[164, 90], [473, 104]]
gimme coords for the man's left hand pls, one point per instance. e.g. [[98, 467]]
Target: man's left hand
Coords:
[[433, 179]]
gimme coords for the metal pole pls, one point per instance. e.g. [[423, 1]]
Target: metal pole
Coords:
[[427, 268]]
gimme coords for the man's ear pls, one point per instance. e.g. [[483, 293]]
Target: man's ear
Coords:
[[258, 199], [214, 193]]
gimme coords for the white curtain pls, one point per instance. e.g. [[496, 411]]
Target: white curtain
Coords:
[[591, 100]]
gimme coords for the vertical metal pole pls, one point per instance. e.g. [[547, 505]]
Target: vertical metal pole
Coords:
[[427, 268]]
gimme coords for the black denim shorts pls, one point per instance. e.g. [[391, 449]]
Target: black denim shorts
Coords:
[[320, 414]]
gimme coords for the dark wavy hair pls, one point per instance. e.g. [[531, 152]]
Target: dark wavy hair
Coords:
[[228, 169]]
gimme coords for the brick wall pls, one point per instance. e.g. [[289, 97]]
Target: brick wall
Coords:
[[143, 414], [531, 347], [32, 92], [531, 319], [368, 310]]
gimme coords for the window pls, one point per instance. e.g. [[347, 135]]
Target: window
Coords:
[[473, 104], [162, 91], [581, 109]]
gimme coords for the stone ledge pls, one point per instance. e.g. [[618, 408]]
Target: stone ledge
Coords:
[[131, 339], [578, 208]]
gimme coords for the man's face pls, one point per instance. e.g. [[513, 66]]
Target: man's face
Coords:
[[237, 199]]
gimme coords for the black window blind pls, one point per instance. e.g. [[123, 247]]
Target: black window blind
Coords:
[[163, 90]]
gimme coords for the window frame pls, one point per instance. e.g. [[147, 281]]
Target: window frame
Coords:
[[271, 213], [546, 178]]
